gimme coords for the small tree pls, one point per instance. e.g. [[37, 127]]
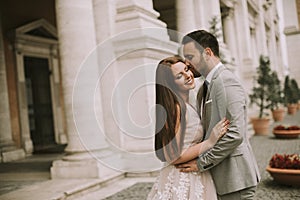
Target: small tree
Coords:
[[291, 91], [275, 92], [261, 90], [295, 90], [286, 90]]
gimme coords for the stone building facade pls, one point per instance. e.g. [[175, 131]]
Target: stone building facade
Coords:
[[291, 29], [81, 72]]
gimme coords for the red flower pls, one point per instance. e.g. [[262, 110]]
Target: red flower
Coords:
[[281, 127], [285, 161]]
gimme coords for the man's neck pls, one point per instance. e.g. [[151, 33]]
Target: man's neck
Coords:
[[212, 64], [209, 76]]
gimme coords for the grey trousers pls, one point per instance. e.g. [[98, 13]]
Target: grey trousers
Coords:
[[245, 194]]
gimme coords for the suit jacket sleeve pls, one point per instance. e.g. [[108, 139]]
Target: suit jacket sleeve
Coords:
[[229, 100]]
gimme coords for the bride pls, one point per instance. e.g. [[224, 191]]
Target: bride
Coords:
[[178, 135]]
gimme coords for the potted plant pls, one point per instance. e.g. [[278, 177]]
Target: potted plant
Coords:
[[260, 96], [296, 91], [275, 97], [285, 169], [290, 96], [288, 132]]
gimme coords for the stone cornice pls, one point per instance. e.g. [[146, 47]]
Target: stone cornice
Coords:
[[292, 30]]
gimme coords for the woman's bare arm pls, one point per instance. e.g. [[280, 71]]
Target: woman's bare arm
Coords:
[[194, 151]]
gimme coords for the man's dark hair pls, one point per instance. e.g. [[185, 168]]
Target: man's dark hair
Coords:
[[202, 39]]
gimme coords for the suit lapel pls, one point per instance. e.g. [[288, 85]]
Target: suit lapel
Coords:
[[216, 74], [207, 111], [199, 100], [200, 92]]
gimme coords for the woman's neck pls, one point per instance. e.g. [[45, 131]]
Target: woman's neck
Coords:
[[184, 96]]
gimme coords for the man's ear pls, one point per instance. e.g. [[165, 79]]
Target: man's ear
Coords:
[[207, 53]]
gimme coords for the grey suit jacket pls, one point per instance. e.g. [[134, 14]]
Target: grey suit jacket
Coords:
[[231, 161]]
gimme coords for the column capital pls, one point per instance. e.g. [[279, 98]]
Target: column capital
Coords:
[[229, 3], [133, 14], [227, 12]]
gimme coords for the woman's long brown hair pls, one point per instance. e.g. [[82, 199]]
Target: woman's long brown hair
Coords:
[[166, 118]]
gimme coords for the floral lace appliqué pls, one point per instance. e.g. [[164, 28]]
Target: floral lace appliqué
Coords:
[[183, 188], [179, 189], [199, 187]]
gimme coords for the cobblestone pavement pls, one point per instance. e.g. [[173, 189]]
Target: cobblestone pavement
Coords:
[[264, 147]]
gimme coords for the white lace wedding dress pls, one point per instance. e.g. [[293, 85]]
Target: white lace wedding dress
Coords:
[[171, 184]]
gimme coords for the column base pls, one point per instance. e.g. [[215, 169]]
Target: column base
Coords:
[[63, 138], [12, 155], [28, 146], [85, 168]]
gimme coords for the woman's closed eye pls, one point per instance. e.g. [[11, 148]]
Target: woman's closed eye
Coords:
[[186, 69], [179, 76]]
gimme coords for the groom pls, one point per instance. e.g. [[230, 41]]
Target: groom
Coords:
[[231, 161]]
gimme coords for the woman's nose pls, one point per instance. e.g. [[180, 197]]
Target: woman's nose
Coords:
[[187, 75]]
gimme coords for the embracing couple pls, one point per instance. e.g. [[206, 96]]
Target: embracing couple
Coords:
[[205, 148]]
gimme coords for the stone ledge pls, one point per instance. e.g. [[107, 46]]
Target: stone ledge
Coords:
[[60, 189], [12, 155]]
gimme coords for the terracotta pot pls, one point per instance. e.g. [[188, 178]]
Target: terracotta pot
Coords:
[[261, 125], [287, 134], [278, 114], [299, 105], [292, 109], [289, 177]]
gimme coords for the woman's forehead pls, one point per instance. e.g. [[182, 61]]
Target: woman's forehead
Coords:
[[178, 67]]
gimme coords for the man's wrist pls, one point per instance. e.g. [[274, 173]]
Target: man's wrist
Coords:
[[200, 168]]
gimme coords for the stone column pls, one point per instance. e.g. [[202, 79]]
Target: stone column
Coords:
[[205, 12], [243, 31], [142, 43], [284, 59], [200, 16], [104, 15], [213, 10], [130, 58], [185, 15], [76, 35], [8, 150], [229, 29], [272, 46], [261, 32], [77, 40]]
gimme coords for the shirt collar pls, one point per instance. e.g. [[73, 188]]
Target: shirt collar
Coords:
[[211, 73]]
